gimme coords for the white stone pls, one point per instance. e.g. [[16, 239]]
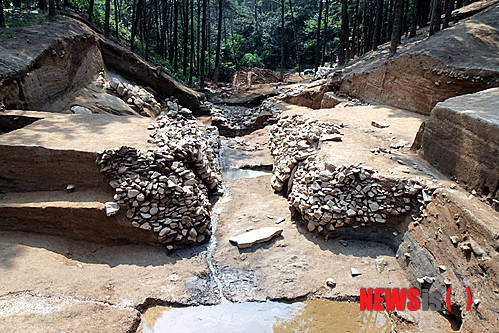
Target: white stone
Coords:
[[379, 124], [330, 282], [354, 271], [111, 208], [253, 237], [80, 110]]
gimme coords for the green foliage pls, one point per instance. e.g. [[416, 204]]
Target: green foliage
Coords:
[[251, 60], [26, 20]]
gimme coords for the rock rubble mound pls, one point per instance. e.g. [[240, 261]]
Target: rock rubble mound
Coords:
[[294, 139], [326, 196], [166, 189]]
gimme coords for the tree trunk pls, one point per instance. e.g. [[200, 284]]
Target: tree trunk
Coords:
[[42, 4], [318, 43], [116, 18], [449, 6], [282, 40], [377, 24], [203, 46], [296, 38], [208, 37], [343, 33], [52, 8], [147, 30], [354, 32], [135, 21], [425, 12], [416, 12], [389, 25], [186, 38], [191, 63], [435, 17], [157, 21], [198, 64], [326, 18], [107, 14], [173, 46], [397, 27], [219, 41], [2, 18]]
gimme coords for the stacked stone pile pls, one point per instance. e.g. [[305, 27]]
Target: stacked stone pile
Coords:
[[236, 120], [166, 189], [349, 195], [137, 97], [329, 197], [293, 139]]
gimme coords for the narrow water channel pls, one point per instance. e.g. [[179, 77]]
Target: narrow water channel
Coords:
[[260, 317]]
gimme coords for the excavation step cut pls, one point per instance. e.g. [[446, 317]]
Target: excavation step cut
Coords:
[[253, 237]]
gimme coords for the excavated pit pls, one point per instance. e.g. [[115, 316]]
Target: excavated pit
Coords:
[[443, 233]]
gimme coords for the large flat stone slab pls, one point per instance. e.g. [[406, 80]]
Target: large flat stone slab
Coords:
[[461, 138], [253, 237]]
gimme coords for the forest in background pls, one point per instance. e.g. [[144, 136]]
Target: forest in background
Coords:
[[193, 39]]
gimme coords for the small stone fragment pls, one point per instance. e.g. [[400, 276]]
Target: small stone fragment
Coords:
[[343, 242], [330, 282], [111, 208], [379, 124]]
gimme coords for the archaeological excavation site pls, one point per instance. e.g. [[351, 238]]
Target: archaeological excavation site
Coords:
[[242, 166]]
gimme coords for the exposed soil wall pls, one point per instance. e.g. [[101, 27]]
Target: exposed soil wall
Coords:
[[41, 169], [461, 139], [68, 64], [411, 82], [459, 60]]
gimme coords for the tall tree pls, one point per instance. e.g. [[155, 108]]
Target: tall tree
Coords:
[[203, 44], [52, 8], [344, 33], [324, 35], [318, 43], [107, 14], [448, 7], [191, 64], [116, 18], [416, 12], [174, 43], [137, 9], [2, 18], [377, 24], [42, 4], [219, 41], [186, 37], [397, 27], [435, 17], [296, 37], [282, 40], [355, 27], [198, 64], [425, 12]]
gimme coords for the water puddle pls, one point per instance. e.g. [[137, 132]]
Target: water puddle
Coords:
[[308, 316], [233, 173]]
